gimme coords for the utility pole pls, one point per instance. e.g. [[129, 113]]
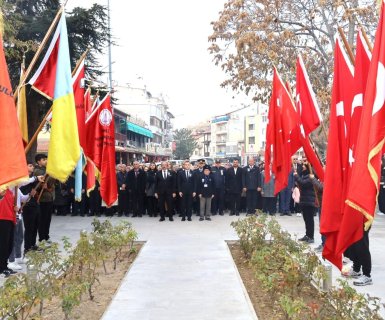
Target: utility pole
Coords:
[[109, 47]]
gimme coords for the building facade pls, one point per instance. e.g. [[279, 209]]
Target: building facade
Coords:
[[238, 134]]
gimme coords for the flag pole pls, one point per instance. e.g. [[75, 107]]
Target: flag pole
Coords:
[[365, 35], [347, 46], [39, 51], [42, 123]]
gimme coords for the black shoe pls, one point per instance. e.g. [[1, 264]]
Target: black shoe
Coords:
[[120, 214], [162, 219], [232, 214], [183, 219], [208, 218], [288, 214], [281, 214], [201, 219], [171, 219], [189, 219], [139, 215], [134, 215], [221, 214], [237, 214], [214, 214], [155, 215], [11, 271], [304, 238]]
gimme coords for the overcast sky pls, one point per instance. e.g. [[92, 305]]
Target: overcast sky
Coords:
[[165, 43]]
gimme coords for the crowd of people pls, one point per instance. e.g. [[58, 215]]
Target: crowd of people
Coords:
[[162, 191]]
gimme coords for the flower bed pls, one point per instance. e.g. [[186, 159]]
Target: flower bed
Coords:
[[69, 280], [288, 272]]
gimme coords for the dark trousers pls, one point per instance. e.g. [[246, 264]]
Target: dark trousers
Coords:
[[270, 205], [308, 217], [6, 242], [360, 255], [284, 200], [31, 223], [46, 209], [95, 202], [186, 205], [80, 206], [165, 199], [123, 202], [251, 200], [381, 199], [218, 202], [137, 202], [235, 202], [152, 207]]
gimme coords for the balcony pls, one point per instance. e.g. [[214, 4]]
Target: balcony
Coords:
[[221, 142]]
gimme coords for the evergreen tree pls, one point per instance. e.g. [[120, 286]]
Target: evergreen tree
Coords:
[[185, 143]]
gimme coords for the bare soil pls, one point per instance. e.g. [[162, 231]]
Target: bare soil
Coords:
[[103, 292], [264, 307]]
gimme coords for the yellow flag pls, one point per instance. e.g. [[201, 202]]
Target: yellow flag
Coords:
[[64, 147]]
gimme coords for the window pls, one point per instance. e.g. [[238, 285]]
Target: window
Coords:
[[251, 127], [264, 118], [251, 140]]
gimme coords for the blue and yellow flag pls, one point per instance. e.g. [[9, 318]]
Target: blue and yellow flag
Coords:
[[64, 148]]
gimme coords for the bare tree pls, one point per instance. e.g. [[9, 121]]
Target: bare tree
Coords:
[[251, 36]]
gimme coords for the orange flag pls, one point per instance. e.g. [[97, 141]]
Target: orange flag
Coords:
[[13, 162]]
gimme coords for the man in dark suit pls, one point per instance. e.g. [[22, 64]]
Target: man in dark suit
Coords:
[[136, 185], [121, 178], [198, 173], [234, 176], [251, 185], [186, 190], [218, 174], [165, 190]]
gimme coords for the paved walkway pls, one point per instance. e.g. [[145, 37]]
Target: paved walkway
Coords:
[[184, 271]]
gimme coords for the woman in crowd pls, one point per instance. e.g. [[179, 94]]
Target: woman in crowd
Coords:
[[150, 190], [307, 201]]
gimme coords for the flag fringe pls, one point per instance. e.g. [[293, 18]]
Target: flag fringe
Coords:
[[13, 183]]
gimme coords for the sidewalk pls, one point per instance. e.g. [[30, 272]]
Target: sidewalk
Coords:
[[184, 271]]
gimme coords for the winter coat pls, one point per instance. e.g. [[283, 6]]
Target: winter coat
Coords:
[[306, 189], [267, 188]]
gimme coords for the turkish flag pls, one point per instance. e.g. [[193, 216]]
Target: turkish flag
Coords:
[[366, 167], [306, 101], [13, 166], [309, 118], [351, 229], [337, 154], [100, 136], [361, 71], [282, 120]]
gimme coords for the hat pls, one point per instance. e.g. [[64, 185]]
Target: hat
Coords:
[[201, 160], [217, 161], [206, 167]]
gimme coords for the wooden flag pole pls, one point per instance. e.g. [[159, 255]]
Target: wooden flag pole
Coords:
[[34, 137], [364, 34], [43, 122], [38, 52], [347, 46]]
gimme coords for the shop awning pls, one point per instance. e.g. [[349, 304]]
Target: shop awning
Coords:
[[139, 130]]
